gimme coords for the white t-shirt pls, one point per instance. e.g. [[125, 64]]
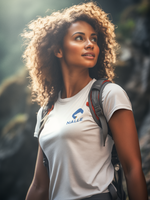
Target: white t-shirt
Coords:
[[79, 165]]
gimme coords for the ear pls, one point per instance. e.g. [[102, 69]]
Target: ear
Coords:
[[58, 52]]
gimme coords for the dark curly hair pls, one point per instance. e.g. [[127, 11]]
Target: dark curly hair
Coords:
[[44, 35]]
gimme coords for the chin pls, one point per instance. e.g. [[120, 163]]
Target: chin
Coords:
[[90, 66]]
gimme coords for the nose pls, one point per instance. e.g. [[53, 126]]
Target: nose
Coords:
[[89, 44]]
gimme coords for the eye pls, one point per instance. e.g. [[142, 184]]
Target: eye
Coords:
[[79, 38], [94, 39]]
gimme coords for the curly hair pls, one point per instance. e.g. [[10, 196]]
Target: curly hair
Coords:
[[44, 35]]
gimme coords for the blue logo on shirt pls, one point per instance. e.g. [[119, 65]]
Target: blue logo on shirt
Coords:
[[80, 110], [76, 117]]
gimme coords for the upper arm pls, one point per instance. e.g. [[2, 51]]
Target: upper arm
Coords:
[[41, 178], [114, 98], [125, 136]]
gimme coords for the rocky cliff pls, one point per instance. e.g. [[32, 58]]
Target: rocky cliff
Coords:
[[18, 148]]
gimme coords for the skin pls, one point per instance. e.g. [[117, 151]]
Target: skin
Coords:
[[81, 39], [40, 184], [125, 136]]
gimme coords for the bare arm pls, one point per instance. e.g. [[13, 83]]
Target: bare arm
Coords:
[[39, 187], [125, 137]]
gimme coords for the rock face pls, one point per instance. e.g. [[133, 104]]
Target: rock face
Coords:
[[134, 76], [18, 148], [137, 86]]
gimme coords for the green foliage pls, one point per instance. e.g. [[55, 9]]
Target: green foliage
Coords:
[[14, 124], [126, 28], [129, 15], [143, 8]]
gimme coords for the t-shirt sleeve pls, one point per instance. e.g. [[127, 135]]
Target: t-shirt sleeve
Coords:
[[37, 127], [114, 98]]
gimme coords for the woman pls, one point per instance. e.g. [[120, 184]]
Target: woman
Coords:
[[66, 52]]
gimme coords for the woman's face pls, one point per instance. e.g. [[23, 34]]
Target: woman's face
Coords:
[[80, 47]]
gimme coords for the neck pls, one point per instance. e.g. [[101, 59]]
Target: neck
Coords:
[[74, 81]]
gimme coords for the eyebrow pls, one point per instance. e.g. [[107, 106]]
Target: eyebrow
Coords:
[[84, 33]]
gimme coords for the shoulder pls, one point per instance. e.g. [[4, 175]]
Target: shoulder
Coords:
[[114, 97], [112, 89]]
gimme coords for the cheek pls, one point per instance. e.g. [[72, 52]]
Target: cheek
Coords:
[[73, 48], [97, 51]]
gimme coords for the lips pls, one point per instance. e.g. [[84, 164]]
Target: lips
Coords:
[[89, 54]]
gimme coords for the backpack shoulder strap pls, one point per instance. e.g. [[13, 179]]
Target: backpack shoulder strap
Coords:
[[96, 108], [95, 105], [45, 111]]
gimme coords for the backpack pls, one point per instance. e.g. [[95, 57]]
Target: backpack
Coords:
[[96, 109]]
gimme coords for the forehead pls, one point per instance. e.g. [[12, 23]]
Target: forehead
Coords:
[[80, 26]]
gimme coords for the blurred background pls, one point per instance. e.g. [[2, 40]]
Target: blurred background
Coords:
[[18, 148]]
